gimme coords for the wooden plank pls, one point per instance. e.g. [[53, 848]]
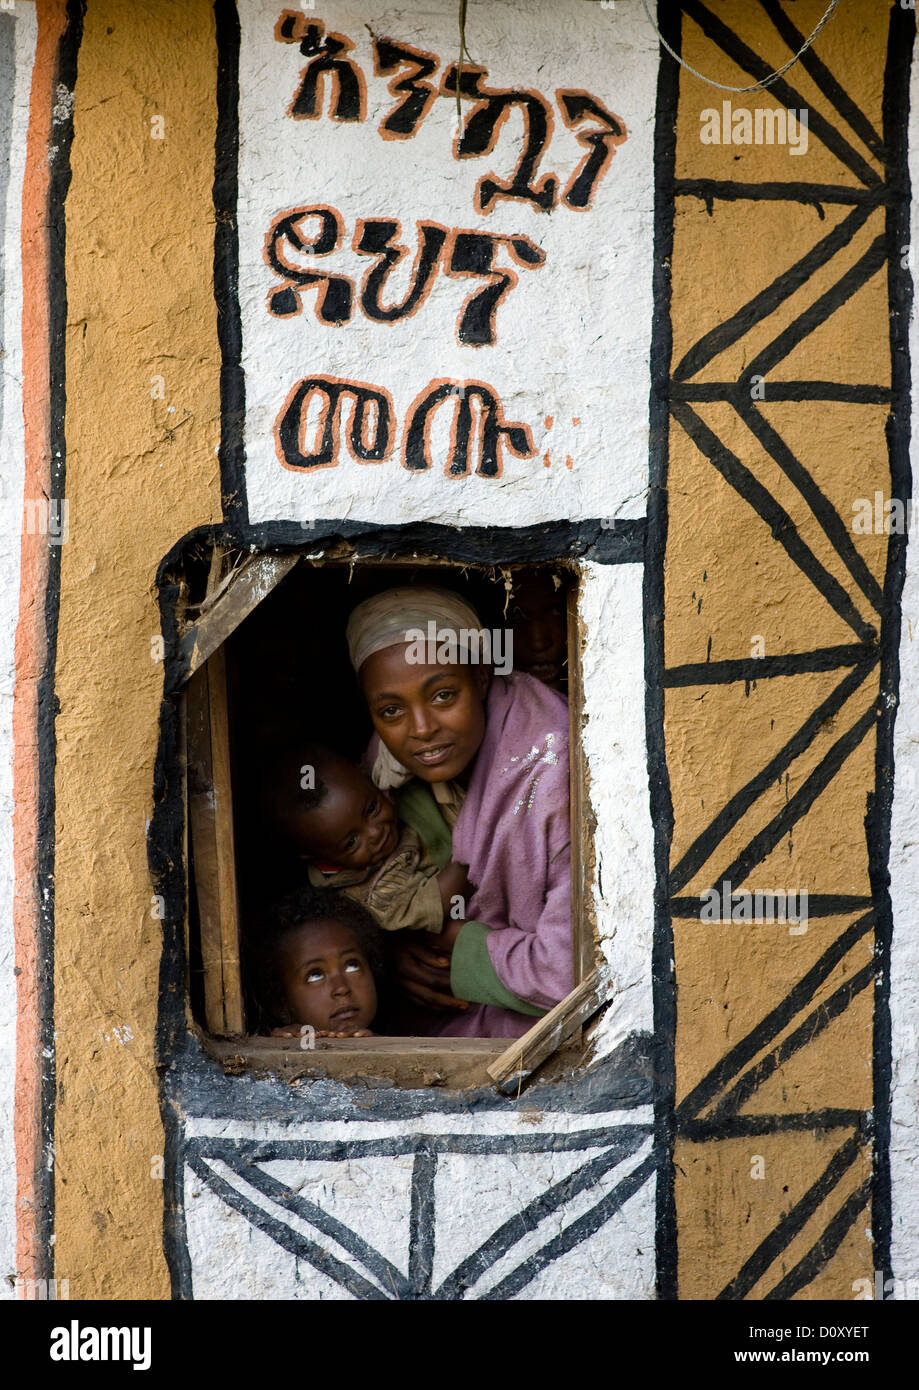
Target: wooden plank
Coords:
[[459, 1063], [582, 943], [211, 820], [487, 1047], [183, 763], [525, 1054], [251, 583]]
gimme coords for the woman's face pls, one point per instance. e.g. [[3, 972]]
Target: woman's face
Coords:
[[432, 718]]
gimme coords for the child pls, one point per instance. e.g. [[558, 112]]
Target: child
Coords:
[[538, 619], [320, 961], [348, 832]]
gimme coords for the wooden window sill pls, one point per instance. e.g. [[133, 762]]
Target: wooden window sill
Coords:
[[457, 1063]]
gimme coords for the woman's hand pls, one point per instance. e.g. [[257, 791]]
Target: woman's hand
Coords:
[[424, 969]]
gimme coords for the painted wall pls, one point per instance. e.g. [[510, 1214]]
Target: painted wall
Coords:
[[728, 325]]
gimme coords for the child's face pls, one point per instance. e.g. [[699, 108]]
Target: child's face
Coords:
[[537, 615], [354, 826], [432, 718], [325, 978]]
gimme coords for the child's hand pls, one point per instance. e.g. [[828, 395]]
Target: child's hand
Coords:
[[453, 882]]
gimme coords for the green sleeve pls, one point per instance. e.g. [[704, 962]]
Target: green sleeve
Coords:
[[472, 975], [416, 807]]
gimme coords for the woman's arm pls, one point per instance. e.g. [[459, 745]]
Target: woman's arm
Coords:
[[528, 968], [529, 971]]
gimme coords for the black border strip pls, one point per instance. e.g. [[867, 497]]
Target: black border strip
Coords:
[[877, 821], [58, 186], [232, 451], [662, 970]]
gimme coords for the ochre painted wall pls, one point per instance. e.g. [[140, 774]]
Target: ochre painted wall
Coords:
[[729, 581], [141, 472]]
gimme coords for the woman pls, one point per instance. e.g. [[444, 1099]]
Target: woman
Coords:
[[493, 750]]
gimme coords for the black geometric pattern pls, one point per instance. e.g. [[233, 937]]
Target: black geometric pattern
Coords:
[[865, 243], [338, 1250]]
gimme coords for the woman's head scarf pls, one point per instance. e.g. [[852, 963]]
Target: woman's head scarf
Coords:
[[396, 616]]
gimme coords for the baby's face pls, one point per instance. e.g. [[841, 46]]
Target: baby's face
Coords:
[[354, 826], [326, 979]]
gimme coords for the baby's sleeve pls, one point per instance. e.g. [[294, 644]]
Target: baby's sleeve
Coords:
[[406, 896]]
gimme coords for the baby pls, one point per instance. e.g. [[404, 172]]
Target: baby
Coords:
[[320, 961], [348, 832]]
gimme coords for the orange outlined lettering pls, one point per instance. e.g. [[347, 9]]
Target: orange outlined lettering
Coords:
[[474, 255], [480, 136], [373, 237], [419, 96], [577, 107], [370, 436], [285, 235], [490, 427], [328, 55]]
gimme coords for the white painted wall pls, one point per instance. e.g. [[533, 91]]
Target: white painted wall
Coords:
[[12, 468], [573, 336], [573, 341], [904, 853]]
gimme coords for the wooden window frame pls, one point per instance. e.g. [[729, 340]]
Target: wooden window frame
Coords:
[[233, 592]]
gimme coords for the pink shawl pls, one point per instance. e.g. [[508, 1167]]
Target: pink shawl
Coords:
[[514, 834]]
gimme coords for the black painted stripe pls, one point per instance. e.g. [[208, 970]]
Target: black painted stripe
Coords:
[[896, 111], [790, 191], [816, 1259], [382, 1269], [232, 452], [586, 1226], [850, 111], [793, 1222], [745, 58], [238, 1152], [775, 1021], [818, 905], [725, 334], [662, 969], [711, 1129], [755, 668], [798, 805], [859, 393], [817, 313], [783, 529], [518, 1226], [819, 1019], [288, 1239], [705, 844], [59, 185], [834, 528], [421, 1223]]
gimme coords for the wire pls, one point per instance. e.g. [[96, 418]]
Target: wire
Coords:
[[757, 86]]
